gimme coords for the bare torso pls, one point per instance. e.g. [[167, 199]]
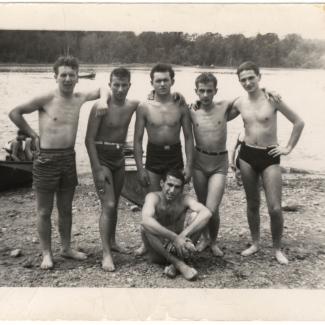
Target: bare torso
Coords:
[[163, 122], [172, 216], [58, 120], [260, 121], [210, 127], [114, 125]]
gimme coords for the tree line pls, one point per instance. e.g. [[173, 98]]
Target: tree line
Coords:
[[266, 50]]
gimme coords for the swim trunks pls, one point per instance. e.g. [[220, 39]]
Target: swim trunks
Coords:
[[210, 163], [54, 170], [163, 158], [258, 158], [110, 156]]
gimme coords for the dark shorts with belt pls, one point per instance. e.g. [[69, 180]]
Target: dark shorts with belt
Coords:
[[110, 156], [163, 158], [259, 159], [55, 170]]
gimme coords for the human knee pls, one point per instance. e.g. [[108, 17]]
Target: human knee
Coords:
[[109, 205], [275, 210], [44, 213], [253, 204]]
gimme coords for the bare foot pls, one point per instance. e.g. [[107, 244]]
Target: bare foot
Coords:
[[107, 263], [71, 253], [170, 271], [280, 257], [188, 272], [202, 246], [250, 251], [141, 251], [47, 262], [117, 248], [215, 250]]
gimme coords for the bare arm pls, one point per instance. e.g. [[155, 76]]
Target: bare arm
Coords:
[[202, 218], [92, 129], [15, 146], [104, 95], [28, 149], [298, 125], [16, 116], [232, 110], [137, 141], [232, 154], [189, 143]]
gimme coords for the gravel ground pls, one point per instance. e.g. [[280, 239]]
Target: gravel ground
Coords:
[[303, 244]]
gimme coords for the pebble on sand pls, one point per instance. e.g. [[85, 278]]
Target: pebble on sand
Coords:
[[134, 208], [290, 205], [16, 253]]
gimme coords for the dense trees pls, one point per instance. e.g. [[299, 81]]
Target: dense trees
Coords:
[[148, 47]]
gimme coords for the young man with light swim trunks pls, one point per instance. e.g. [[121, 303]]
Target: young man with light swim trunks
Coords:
[[162, 231], [163, 120], [260, 155], [105, 141], [54, 169], [210, 164]]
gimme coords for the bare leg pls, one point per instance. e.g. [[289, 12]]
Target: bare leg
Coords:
[[251, 185], [64, 205], [118, 181], [158, 254], [44, 203], [200, 183], [272, 181], [152, 187], [216, 188]]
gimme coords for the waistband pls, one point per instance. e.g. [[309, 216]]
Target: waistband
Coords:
[[58, 150], [105, 143], [172, 146], [257, 147], [211, 153]]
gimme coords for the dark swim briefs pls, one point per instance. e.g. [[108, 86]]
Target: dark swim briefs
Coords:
[[210, 163], [258, 158], [110, 156], [162, 158], [55, 170]]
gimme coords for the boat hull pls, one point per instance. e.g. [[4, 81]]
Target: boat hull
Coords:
[[88, 76], [14, 174]]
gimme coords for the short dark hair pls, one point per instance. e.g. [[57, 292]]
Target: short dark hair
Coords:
[[174, 173], [68, 61], [249, 65], [20, 132], [162, 67], [205, 78], [120, 73]]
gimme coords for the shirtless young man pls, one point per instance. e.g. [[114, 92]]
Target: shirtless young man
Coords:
[[162, 230], [163, 120], [18, 150], [55, 167], [104, 141], [260, 155]]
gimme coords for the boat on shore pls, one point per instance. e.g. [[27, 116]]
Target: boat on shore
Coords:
[[15, 174], [88, 76]]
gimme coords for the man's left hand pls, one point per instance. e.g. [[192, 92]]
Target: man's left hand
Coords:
[[102, 108], [187, 174], [277, 97], [278, 151]]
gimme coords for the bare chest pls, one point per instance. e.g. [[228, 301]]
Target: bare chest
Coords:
[[164, 116], [261, 114], [117, 118]]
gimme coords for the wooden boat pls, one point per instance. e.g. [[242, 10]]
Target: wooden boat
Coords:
[[15, 173], [88, 76]]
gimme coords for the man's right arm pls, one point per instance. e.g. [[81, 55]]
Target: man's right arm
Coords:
[[16, 116], [15, 146], [137, 141]]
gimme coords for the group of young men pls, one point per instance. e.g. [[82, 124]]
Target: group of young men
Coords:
[[164, 174]]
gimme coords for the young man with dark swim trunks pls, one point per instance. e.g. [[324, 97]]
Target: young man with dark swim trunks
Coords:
[[163, 120], [210, 163], [105, 141], [54, 169], [260, 155], [162, 231]]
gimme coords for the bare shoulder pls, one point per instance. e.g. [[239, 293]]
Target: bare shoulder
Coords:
[[186, 199], [132, 103], [152, 198], [143, 106], [238, 102]]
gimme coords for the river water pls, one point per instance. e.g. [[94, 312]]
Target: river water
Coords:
[[302, 90]]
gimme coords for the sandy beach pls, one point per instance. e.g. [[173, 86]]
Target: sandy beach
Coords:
[[303, 243]]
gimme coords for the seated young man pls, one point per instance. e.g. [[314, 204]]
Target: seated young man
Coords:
[[162, 230], [19, 148]]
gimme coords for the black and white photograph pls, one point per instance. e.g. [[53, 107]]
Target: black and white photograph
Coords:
[[157, 157]]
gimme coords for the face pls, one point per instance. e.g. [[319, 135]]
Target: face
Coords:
[[171, 188], [249, 80], [67, 79], [206, 93], [162, 83], [119, 87], [22, 137]]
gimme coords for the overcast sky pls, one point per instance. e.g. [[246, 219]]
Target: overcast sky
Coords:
[[308, 20]]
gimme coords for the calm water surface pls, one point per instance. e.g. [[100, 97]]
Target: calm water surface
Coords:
[[302, 90]]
